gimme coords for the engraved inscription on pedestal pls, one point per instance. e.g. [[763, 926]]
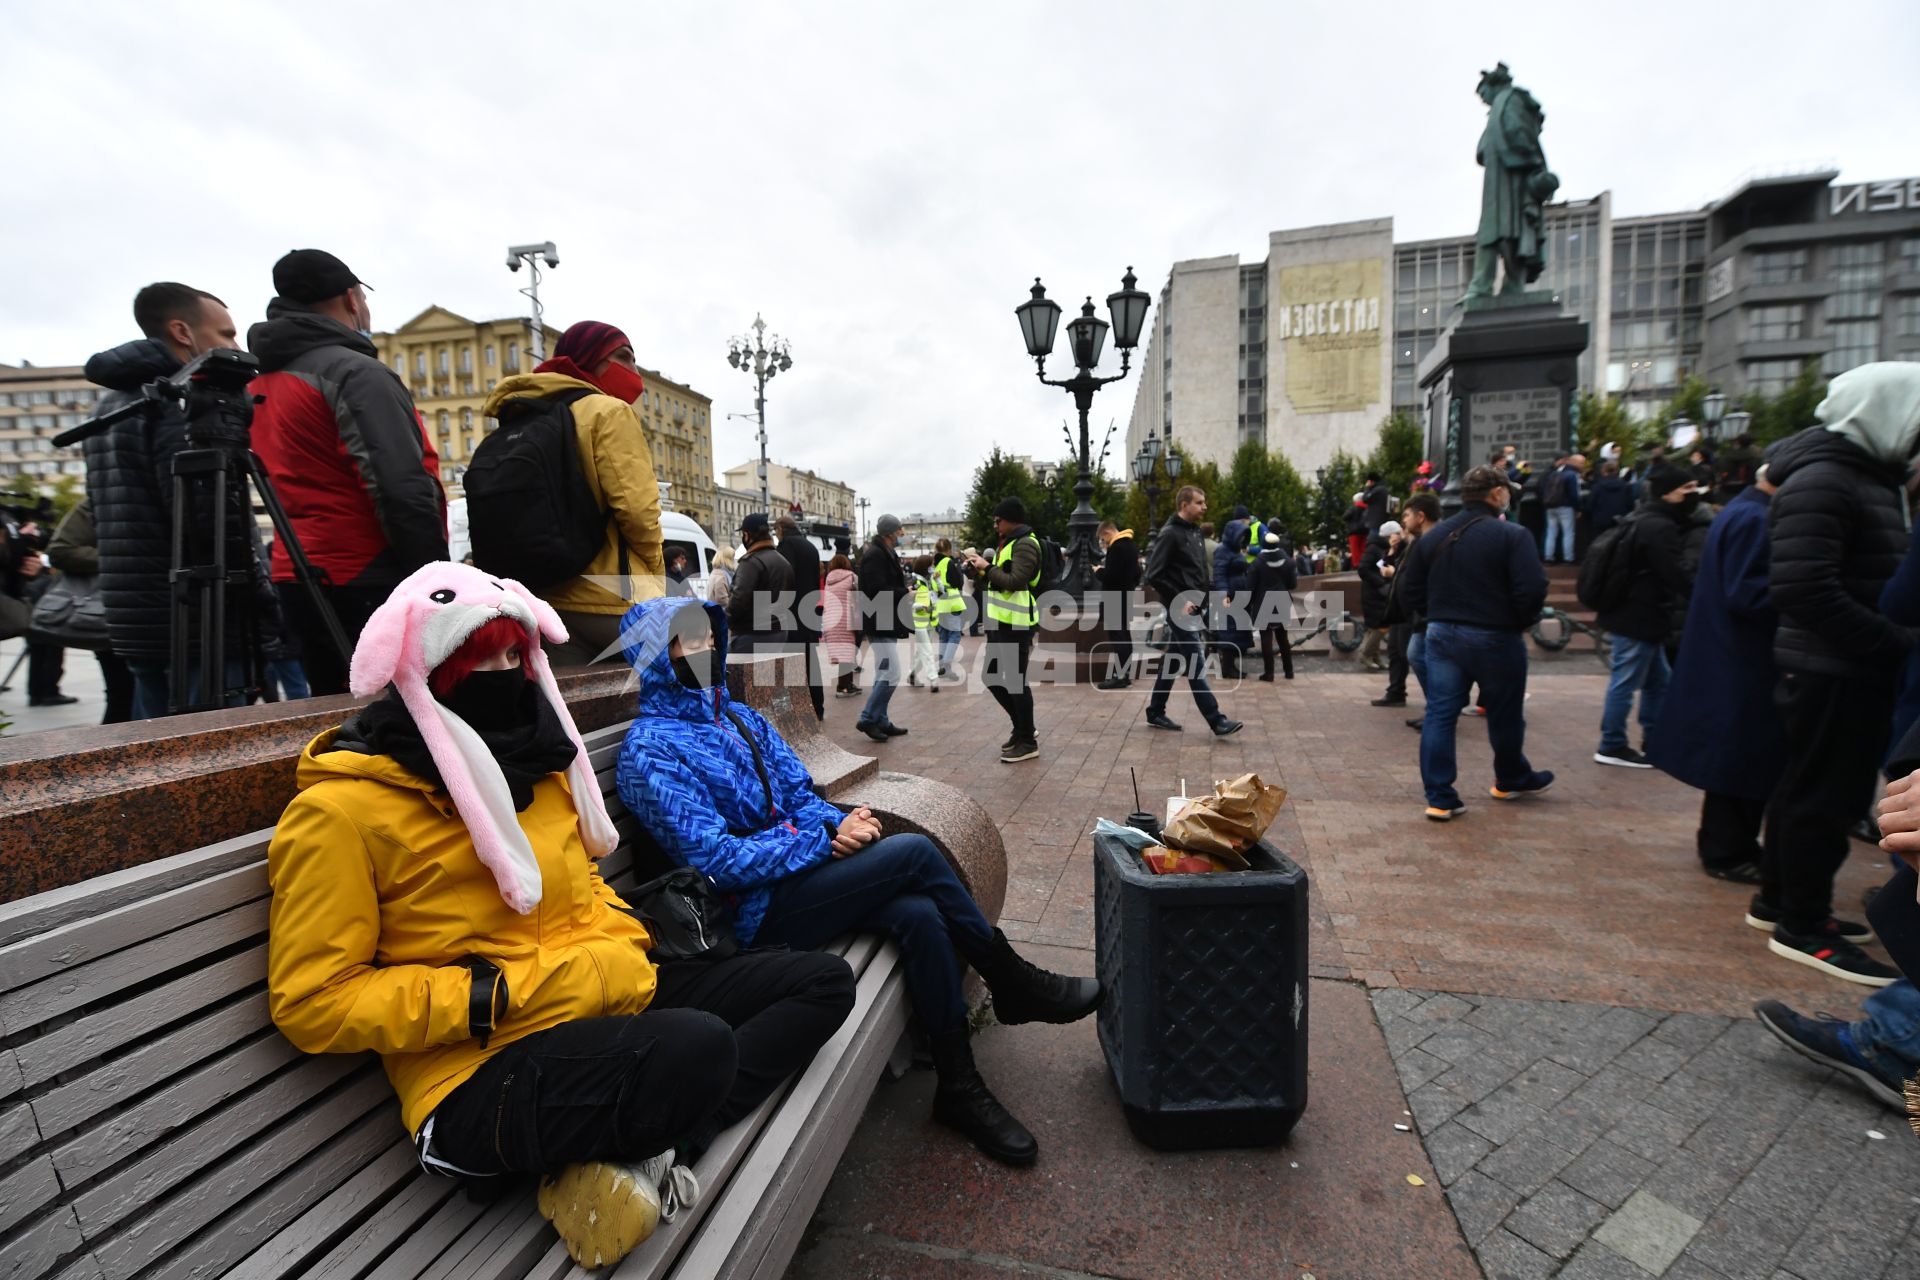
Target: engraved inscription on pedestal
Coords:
[[1530, 419]]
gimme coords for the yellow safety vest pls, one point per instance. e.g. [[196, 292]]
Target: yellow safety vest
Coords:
[[1256, 532], [1014, 608], [945, 600], [922, 605]]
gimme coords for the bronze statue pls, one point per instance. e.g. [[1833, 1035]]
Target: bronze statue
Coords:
[[1513, 192]]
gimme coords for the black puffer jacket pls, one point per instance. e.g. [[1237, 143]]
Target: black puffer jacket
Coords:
[[1836, 532], [1661, 584], [130, 487]]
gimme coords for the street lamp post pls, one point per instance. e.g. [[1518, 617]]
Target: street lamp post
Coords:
[[762, 361], [1145, 463], [1713, 408], [1737, 423], [863, 504], [1039, 320], [533, 255]]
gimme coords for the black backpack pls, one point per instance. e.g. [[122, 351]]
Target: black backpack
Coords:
[[1053, 565], [530, 512], [1555, 494], [1606, 575]]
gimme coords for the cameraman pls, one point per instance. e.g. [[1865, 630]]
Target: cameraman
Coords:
[[347, 452], [130, 479], [23, 575]]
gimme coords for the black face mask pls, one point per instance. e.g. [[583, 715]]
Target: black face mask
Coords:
[[697, 671], [493, 701]]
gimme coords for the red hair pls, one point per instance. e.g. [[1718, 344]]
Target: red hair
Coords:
[[491, 639]]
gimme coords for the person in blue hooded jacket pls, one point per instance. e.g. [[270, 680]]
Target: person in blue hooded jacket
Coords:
[[721, 791]]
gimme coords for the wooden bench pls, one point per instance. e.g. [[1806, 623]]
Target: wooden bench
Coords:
[[154, 1123]]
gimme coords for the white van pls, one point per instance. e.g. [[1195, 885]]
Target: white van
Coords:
[[677, 530]]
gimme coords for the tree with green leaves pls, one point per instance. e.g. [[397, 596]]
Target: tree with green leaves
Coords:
[[999, 477], [1333, 490], [1399, 452], [1776, 417]]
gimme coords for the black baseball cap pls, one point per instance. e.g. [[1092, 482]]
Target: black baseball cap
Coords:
[[312, 275], [755, 524]]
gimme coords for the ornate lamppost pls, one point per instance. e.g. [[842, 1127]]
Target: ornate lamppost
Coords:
[[761, 360], [1087, 334], [1146, 464], [1713, 408]]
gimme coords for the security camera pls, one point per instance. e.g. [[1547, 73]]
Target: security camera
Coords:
[[513, 260], [545, 250]]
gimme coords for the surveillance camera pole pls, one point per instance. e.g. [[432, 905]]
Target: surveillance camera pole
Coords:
[[531, 254]]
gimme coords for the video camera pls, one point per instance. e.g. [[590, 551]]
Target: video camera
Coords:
[[210, 388]]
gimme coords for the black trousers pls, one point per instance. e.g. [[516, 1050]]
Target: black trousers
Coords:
[[1730, 829], [119, 682], [46, 663], [326, 668], [1397, 637], [816, 678], [1836, 731], [1120, 652], [717, 1039], [1268, 635], [1004, 670]]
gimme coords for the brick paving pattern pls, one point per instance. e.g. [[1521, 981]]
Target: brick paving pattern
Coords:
[[1595, 1142]]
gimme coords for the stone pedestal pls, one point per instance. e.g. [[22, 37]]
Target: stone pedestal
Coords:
[[1501, 375]]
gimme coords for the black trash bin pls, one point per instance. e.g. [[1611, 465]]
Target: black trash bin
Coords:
[[1205, 1020]]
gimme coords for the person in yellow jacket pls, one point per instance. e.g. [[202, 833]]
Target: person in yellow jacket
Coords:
[[435, 900], [617, 462]]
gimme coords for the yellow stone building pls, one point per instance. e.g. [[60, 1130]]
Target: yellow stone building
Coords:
[[451, 364]]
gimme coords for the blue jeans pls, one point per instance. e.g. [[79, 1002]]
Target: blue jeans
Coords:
[[1892, 1024], [886, 675], [1637, 665], [949, 641], [153, 685], [1457, 657], [1183, 656], [899, 886], [291, 679], [1417, 658], [1560, 523]]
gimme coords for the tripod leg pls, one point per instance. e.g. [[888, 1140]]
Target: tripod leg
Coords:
[[6, 682], [302, 567]]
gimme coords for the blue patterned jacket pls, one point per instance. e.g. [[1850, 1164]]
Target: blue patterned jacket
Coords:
[[687, 774]]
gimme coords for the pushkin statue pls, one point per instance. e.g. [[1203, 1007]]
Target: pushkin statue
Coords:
[[1514, 191]]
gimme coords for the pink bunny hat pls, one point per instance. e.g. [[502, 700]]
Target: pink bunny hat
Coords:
[[426, 618]]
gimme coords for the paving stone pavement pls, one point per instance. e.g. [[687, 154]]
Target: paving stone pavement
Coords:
[[1597, 1142]]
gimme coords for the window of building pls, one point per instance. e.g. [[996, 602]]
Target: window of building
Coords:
[[513, 357], [1785, 323], [466, 359], [400, 365], [1771, 376], [1780, 266], [466, 419], [419, 364], [1906, 316], [1910, 254], [440, 420], [440, 362], [1855, 270], [1855, 342], [489, 355]]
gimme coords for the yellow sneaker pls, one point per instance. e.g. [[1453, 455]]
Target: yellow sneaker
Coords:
[[602, 1211]]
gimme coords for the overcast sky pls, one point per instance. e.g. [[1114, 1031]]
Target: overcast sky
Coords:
[[882, 180]]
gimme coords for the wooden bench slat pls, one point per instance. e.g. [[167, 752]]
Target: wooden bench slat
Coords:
[[397, 1221], [98, 980], [96, 1148], [178, 1169], [17, 1132], [41, 912], [85, 1267], [29, 1254], [26, 1191], [10, 1079], [99, 1033], [237, 1221], [72, 944], [512, 1253], [506, 1219], [742, 1197], [417, 1252], [389, 1192]]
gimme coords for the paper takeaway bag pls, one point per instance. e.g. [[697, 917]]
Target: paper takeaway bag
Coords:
[[1228, 822]]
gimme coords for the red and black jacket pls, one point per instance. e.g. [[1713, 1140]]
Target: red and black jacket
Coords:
[[346, 449]]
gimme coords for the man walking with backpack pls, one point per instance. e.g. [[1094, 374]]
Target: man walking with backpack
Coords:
[[1179, 574], [1562, 500], [1643, 588], [1479, 581], [562, 497]]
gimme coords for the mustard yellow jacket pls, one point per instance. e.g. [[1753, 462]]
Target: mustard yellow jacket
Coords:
[[377, 894], [618, 463]]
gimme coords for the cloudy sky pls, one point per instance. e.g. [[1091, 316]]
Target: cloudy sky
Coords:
[[882, 180]]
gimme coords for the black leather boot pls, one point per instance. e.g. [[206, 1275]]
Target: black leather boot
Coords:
[[1024, 992], [963, 1103]]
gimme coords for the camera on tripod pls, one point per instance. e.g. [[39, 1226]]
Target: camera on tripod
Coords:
[[212, 560]]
